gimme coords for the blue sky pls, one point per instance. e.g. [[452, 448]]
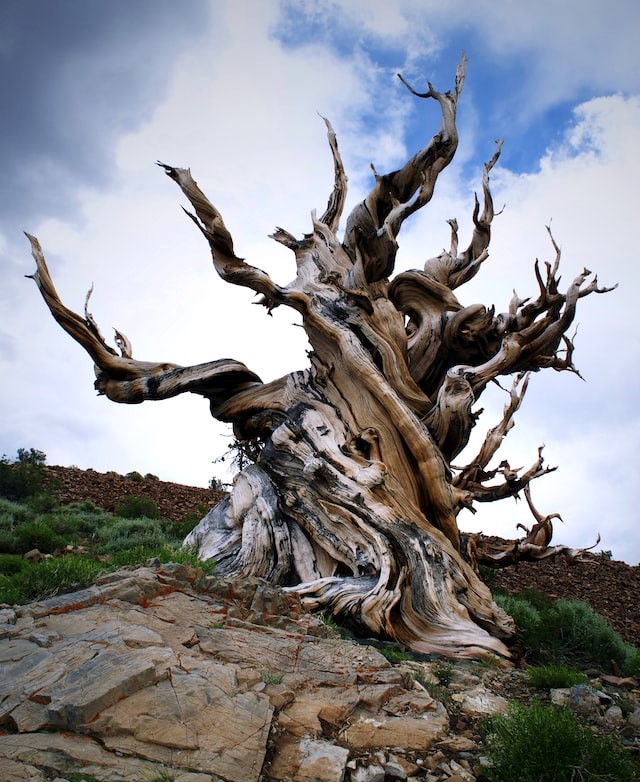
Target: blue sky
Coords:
[[94, 93]]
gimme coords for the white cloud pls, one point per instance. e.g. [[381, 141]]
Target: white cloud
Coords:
[[242, 111], [592, 430]]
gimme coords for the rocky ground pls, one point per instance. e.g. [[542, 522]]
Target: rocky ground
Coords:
[[154, 674], [610, 587]]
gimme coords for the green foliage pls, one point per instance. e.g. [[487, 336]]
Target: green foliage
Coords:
[[487, 574], [268, 677], [135, 476], [40, 580], [551, 676], [443, 671], [32, 456], [394, 655], [21, 529], [10, 564], [569, 632], [41, 502], [120, 541], [119, 534], [180, 529], [133, 507], [39, 534], [80, 518], [24, 476], [188, 556], [138, 555], [542, 743], [217, 484], [328, 621], [14, 513], [436, 690]]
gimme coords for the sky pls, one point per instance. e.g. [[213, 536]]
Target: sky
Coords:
[[94, 93]]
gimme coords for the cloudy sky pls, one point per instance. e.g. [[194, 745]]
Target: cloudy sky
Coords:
[[93, 93]]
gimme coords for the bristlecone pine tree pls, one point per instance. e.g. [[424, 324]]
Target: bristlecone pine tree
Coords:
[[353, 500]]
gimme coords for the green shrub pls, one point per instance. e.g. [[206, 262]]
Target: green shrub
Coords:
[[135, 476], [133, 507], [41, 502], [133, 556], [551, 676], [24, 476], [443, 672], [139, 555], [183, 527], [14, 513], [39, 534], [568, 631], [10, 564], [50, 577], [545, 744], [124, 533], [89, 516], [395, 656]]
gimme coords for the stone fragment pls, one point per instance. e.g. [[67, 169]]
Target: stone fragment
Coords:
[[7, 616], [480, 702], [408, 766], [395, 770], [412, 702], [24, 668], [370, 773], [305, 716], [613, 718], [457, 744], [560, 696], [11, 771], [29, 716], [412, 733], [139, 637], [280, 696], [584, 701], [463, 678], [308, 760], [98, 683], [459, 772], [634, 719]]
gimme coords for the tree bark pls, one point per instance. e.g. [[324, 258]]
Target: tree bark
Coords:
[[353, 501]]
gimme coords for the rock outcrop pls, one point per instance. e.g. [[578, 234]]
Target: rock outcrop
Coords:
[[159, 674]]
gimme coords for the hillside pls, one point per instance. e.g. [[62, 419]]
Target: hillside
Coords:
[[610, 587]]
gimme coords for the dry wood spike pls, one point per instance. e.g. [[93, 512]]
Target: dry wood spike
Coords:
[[353, 500]]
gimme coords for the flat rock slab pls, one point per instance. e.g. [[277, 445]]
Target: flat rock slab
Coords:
[[144, 675], [308, 760], [150, 675], [328, 661]]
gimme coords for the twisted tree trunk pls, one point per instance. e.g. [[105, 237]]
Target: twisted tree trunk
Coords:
[[353, 501]]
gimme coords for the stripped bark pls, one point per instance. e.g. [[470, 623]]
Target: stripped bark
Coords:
[[353, 502]]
